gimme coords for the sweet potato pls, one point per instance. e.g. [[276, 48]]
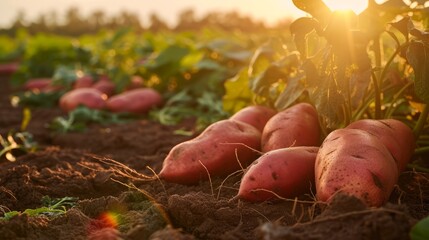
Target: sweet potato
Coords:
[[7, 69], [137, 101], [37, 84], [135, 82], [256, 116], [286, 172], [44, 85], [105, 85], [394, 134], [218, 149], [294, 126], [354, 162], [83, 82], [90, 97]]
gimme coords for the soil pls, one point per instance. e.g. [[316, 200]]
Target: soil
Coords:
[[111, 169]]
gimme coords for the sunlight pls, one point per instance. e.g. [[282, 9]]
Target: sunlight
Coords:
[[357, 6]]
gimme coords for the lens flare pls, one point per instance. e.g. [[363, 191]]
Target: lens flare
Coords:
[[110, 219], [357, 6]]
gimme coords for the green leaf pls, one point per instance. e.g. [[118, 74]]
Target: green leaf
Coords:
[[403, 26], [38, 99], [209, 65], [317, 8], [64, 76], [261, 83], [15, 144], [169, 55], [51, 208], [238, 55], [229, 49], [294, 89], [420, 231], [26, 117], [303, 26], [300, 28], [80, 117], [418, 57], [261, 59], [238, 93], [329, 102]]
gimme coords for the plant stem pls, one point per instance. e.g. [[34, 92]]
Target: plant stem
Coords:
[[396, 97], [421, 150], [377, 96], [378, 54], [419, 168], [421, 122]]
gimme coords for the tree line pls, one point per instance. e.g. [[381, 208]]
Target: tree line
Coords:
[[75, 24]]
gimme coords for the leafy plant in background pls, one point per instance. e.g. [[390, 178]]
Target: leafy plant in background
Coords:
[[189, 69], [81, 117], [20, 142], [15, 144], [44, 53]]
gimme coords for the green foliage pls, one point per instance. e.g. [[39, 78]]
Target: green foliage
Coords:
[[206, 108], [237, 92], [37, 98], [192, 64], [15, 144], [420, 231], [10, 49], [50, 208], [44, 53], [340, 76], [79, 118]]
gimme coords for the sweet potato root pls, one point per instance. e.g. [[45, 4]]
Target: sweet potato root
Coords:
[[286, 172], [105, 85], [256, 116], [216, 150], [89, 97], [83, 82], [137, 101], [294, 126], [354, 162], [394, 134], [37, 84]]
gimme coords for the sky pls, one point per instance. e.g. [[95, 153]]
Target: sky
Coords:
[[269, 11]]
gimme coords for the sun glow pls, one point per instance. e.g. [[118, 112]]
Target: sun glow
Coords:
[[357, 6]]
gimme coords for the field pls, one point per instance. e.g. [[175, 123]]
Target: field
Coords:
[[69, 171], [88, 166]]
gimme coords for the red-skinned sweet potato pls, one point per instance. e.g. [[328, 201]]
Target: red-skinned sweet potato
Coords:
[[394, 134], [256, 116], [354, 162], [83, 82], [137, 101], [215, 149], [105, 85], [37, 84], [44, 85], [286, 172], [7, 69], [294, 126], [135, 82], [89, 97]]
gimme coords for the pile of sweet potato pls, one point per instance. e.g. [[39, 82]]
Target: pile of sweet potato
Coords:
[[101, 93], [283, 155]]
